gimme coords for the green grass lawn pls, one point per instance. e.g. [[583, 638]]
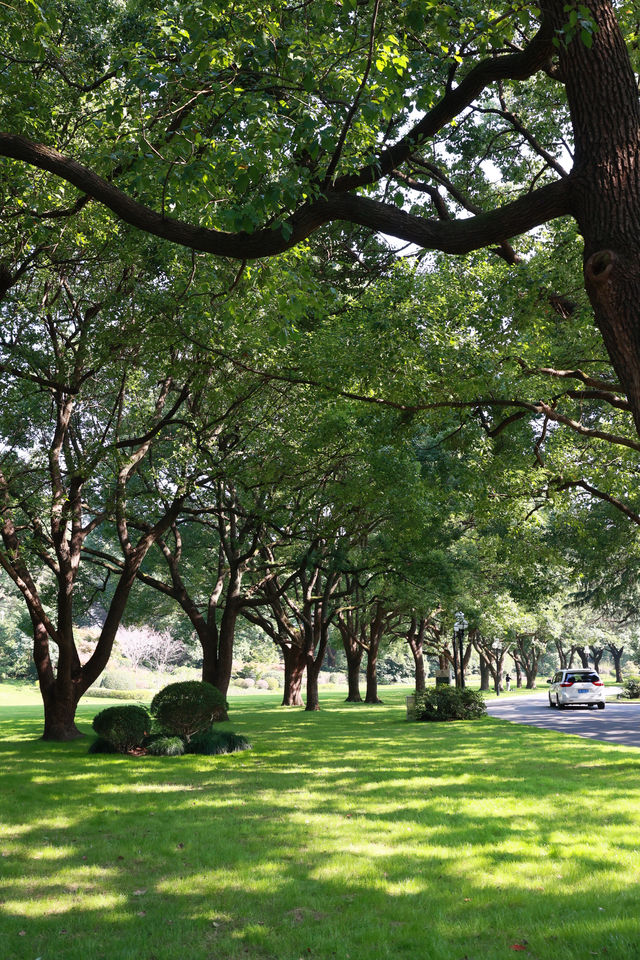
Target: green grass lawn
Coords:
[[348, 834]]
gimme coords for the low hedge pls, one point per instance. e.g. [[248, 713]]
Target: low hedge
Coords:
[[105, 694], [449, 703]]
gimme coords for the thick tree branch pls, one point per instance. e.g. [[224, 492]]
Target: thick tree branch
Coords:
[[458, 237]]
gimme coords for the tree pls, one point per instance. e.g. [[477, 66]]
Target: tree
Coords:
[[387, 111], [80, 414]]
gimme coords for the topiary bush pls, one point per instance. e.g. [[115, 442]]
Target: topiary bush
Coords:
[[209, 743], [184, 709], [449, 703], [123, 727], [631, 688], [166, 747]]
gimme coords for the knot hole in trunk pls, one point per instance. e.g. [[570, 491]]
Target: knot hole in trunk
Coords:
[[598, 267]]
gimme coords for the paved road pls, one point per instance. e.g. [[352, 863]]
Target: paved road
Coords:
[[617, 723]]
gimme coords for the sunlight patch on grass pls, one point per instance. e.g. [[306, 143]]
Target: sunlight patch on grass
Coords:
[[347, 834]]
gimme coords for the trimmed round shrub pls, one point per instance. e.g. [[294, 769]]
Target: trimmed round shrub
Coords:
[[123, 727], [450, 703], [183, 709], [166, 747], [262, 684], [209, 743], [272, 683]]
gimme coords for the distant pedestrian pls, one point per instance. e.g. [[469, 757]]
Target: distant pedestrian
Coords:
[[508, 681]]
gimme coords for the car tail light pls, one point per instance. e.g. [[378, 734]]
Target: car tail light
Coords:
[[567, 683], [597, 683]]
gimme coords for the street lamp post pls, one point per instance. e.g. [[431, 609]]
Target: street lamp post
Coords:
[[496, 646], [460, 625]]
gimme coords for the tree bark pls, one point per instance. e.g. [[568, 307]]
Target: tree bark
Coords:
[[353, 677], [371, 694], [313, 699], [294, 664], [616, 653], [485, 674], [60, 703]]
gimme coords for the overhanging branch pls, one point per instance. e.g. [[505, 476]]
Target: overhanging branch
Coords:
[[456, 236]]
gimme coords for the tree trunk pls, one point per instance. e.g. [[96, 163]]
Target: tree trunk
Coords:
[[226, 637], [60, 703], [210, 657], [485, 674], [353, 677], [584, 657], [415, 639], [293, 674], [313, 700], [421, 683], [616, 653], [518, 669], [371, 696]]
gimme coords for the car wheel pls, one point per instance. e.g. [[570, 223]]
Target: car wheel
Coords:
[[551, 704], [601, 706]]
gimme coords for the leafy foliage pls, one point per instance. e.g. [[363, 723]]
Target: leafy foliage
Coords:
[[166, 747], [631, 688], [123, 727], [184, 709], [391, 671], [210, 743], [450, 703]]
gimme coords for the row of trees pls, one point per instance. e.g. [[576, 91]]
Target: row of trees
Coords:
[[337, 438], [139, 456]]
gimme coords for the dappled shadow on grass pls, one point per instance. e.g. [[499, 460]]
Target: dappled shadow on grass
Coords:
[[342, 834]]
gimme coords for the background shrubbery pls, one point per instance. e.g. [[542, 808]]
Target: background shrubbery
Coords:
[[631, 688]]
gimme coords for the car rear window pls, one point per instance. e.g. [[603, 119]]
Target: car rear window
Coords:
[[582, 677]]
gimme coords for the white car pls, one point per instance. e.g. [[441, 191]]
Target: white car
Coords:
[[572, 688]]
